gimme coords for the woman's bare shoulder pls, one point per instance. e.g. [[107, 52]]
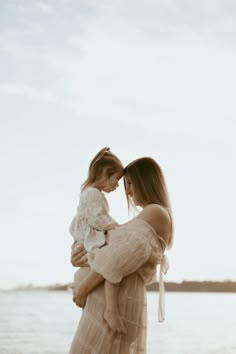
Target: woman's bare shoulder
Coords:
[[158, 217], [157, 211]]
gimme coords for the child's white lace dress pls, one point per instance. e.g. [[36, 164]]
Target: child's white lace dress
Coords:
[[92, 221]]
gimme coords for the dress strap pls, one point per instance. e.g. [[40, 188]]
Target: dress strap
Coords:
[[164, 266]]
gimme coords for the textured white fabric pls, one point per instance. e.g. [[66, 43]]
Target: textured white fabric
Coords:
[[129, 249], [91, 222], [164, 266]]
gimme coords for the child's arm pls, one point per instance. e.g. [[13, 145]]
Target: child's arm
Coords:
[[97, 211]]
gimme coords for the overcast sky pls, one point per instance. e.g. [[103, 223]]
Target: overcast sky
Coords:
[[147, 78]]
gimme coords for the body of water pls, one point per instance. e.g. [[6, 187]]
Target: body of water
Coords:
[[43, 322]]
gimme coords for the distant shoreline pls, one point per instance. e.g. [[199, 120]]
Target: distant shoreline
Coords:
[[197, 286], [184, 286]]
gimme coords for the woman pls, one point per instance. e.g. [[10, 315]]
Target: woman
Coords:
[[126, 259]]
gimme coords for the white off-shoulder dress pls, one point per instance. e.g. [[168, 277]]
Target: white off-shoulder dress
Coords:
[[92, 221], [124, 260]]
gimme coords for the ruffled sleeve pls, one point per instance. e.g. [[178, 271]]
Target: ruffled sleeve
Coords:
[[125, 253], [97, 210], [72, 227]]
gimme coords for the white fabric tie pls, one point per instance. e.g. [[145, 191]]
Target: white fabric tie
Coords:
[[164, 266]]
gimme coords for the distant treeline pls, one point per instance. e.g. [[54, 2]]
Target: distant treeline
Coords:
[[188, 286], [199, 286]]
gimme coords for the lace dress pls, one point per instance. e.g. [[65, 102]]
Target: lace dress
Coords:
[[124, 260], [92, 221]]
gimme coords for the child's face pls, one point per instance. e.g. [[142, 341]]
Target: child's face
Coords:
[[112, 182]]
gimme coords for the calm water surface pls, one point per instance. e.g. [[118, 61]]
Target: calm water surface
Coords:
[[43, 322]]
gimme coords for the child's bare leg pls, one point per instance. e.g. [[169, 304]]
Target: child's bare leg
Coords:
[[111, 314]]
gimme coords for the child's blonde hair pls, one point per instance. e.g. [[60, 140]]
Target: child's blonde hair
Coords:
[[103, 165], [149, 186]]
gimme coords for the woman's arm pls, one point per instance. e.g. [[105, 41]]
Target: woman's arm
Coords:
[[93, 279], [129, 249]]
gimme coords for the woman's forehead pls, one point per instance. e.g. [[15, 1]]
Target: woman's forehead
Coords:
[[126, 177]]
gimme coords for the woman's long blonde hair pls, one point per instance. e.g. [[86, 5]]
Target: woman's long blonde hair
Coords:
[[103, 165], [149, 185]]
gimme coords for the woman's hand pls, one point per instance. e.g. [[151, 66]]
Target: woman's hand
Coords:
[[79, 294], [78, 255]]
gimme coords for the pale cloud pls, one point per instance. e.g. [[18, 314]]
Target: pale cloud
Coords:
[[14, 42], [43, 7], [20, 8], [75, 42], [27, 91], [161, 20], [36, 27]]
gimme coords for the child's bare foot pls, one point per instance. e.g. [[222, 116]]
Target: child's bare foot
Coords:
[[114, 321]]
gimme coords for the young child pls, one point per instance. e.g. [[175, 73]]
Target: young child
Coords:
[[92, 221]]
